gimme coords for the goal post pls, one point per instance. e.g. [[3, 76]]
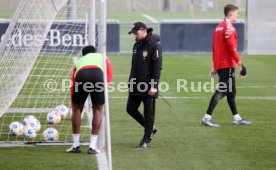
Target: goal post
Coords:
[[261, 25], [102, 49]]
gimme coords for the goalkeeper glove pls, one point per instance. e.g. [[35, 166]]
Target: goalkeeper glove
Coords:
[[243, 71]]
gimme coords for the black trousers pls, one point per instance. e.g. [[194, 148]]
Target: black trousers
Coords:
[[227, 87], [146, 120]]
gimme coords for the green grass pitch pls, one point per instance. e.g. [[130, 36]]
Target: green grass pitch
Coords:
[[182, 142]]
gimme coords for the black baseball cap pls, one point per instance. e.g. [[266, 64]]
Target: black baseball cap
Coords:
[[137, 26]]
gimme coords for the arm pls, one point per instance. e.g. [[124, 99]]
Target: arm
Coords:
[[156, 67], [230, 38], [132, 63], [231, 44], [213, 72], [108, 70]]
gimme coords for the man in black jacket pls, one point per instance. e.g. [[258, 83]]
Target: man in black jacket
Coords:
[[143, 80]]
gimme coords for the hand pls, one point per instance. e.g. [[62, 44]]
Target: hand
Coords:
[[152, 91], [213, 73], [243, 71]]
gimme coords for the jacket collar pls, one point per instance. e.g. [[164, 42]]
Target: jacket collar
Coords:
[[228, 20]]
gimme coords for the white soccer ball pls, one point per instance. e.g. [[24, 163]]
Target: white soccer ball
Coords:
[[38, 126], [16, 128], [50, 135], [32, 121], [63, 110], [28, 119], [53, 117], [29, 132]]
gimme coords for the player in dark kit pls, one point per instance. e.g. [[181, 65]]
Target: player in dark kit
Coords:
[[144, 78], [87, 78], [225, 58]]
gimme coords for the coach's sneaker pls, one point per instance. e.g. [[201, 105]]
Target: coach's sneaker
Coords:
[[143, 144], [242, 122], [93, 151], [209, 122], [74, 150], [153, 132]]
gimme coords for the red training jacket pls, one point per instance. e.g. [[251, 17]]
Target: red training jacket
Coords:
[[225, 53]]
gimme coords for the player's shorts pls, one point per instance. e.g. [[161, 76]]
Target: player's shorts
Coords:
[[88, 81]]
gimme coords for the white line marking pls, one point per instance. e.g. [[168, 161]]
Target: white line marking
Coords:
[[257, 97], [253, 87], [150, 18], [197, 97], [102, 161]]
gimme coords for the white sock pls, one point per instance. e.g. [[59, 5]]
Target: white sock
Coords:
[[208, 117], [237, 117], [76, 140], [93, 141]]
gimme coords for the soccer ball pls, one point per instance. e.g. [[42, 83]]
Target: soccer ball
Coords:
[[53, 117], [16, 128], [28, 119], [29, 132], [63, 110], [50, 135], [32, 121], [38, 126]]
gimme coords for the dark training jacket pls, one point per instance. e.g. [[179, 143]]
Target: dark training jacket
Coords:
[[146, 64]]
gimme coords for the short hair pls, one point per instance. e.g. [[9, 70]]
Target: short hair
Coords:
[[88, 49], [228, 8]]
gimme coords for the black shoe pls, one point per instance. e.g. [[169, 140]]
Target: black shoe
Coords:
[[154, 131], [74, 150], [93, 151], [143, 144]]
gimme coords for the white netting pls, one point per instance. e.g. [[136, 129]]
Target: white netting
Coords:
[[261, 27], [36, 62]]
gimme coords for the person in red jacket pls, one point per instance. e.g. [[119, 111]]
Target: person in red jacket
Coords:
[[225, 59], [88, 78]]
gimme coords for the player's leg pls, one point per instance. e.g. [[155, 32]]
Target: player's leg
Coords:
[[76, 117], [218, 95], [77, 101], [98, 100], [214, 101], [96, 126], [133, 104], [207, 118], [231, 94], [97, 119], [149, 114]]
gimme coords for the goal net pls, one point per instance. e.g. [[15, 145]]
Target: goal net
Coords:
[[261, 27], [38, 50]]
